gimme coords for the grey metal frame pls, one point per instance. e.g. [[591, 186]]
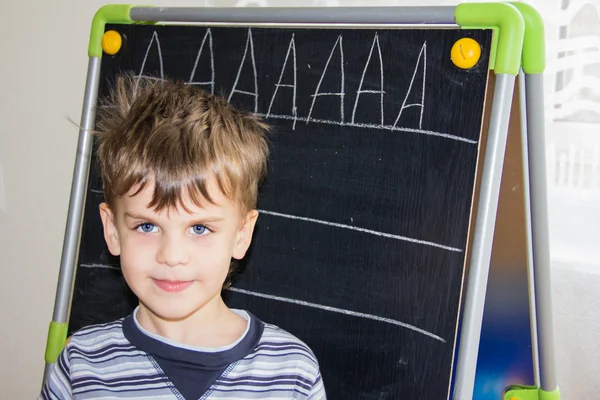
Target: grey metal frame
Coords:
[[539, 236], [527, 202], [474, 295], [81, 170], [479, 267], [284, 15]]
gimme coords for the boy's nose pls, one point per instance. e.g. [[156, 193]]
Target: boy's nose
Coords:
[[172, 252]]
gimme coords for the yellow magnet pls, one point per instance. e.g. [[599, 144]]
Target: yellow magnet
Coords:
[[465, 53], [111, 42]]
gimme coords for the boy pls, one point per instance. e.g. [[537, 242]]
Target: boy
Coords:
[[180, 170]]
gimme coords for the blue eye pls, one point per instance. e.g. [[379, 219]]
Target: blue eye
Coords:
[[146, 227], [198, 229]]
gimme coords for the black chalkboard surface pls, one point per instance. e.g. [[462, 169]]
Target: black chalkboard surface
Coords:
[[360, 246]]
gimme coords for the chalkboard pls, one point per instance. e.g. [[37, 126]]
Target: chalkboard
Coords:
[[360, 245]]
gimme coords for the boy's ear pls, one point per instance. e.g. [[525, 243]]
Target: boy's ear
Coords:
[[111, 235], [244, 235]]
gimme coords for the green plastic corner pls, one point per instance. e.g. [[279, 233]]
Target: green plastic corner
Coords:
[[509, 30], [57, 334], [533, 59], [108, 14], [530, 393]]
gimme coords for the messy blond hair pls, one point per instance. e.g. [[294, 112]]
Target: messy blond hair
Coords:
[[178, 137]]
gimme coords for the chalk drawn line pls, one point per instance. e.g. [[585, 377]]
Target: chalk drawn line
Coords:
[[337, 310], [305, 304], [363, 230], [371, 126], [101, 266]]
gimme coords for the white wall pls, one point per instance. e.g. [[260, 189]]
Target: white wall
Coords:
[[43, 60], [42, 64]]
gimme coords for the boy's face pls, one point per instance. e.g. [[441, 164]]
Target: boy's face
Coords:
[[176, 261]]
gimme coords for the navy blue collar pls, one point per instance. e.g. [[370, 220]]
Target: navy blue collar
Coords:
[[197, 357]]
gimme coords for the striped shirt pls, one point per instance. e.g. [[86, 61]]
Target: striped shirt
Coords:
[[101, 362]]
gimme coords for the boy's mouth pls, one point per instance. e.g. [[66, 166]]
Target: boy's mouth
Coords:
[[172, 286]]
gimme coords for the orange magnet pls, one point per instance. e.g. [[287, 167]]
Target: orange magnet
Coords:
[[111, 42], [465, 53]]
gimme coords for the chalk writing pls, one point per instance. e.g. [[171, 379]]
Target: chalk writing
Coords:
[[292, 49], [160, 60], [249, 44], [362, 78], [422, 56], [341, 92], [415, 95], [208, 35]]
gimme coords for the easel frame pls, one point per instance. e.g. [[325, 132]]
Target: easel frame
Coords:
[[516, 44]]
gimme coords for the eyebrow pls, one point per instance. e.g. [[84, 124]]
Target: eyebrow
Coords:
[[135, 216], [197, 220]]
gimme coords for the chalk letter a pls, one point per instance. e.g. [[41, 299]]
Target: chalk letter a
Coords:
[[249, 45], [422, 57], [208, 35], [291, 49], [380, 91], [160, 60], [341, 92]]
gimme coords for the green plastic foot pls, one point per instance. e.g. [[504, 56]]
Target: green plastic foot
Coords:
[[57, 334], [553, 395], [530, 393]]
